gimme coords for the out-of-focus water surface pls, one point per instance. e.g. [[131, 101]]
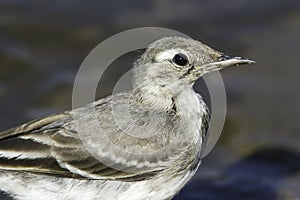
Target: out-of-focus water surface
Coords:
[[42, 44]]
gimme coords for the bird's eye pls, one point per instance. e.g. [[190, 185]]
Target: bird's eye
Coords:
[[180, 59]]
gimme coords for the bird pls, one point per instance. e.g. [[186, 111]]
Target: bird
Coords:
[[142, 144]]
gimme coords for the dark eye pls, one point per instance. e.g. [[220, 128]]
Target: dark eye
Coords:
[[180, 59]]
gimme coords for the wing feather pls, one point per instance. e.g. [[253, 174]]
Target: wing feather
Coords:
[[45, 146]]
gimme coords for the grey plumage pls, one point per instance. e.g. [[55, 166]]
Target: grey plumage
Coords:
[[143, 144]]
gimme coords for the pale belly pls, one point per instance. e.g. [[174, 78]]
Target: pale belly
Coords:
[[30, 186]]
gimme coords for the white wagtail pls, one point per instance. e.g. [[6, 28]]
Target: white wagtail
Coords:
[[151, 137]]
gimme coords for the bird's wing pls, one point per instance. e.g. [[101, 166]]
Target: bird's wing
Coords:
[[204, 123], [25, 148], [47, 146]]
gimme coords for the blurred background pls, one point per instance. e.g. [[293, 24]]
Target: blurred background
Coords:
[[42, 44]]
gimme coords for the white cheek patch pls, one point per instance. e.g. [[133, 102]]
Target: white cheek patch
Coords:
[[168, 54]]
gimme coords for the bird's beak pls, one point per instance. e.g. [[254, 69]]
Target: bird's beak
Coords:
[[228, 61], [223, 61]]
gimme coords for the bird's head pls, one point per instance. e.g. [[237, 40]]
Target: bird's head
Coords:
[[174, 63]]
